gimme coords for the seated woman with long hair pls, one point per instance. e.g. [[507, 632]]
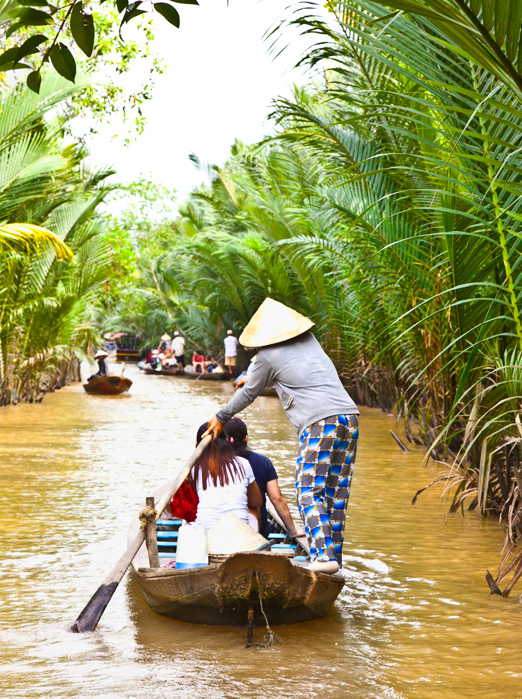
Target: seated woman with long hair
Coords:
[[266, 477], [224, 483]]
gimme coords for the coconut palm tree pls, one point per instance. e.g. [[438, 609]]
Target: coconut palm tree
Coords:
[[443, 117], [47, 279]]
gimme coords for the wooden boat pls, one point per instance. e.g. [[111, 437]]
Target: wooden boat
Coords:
[[162, 372], [228, 591], [205, 376], [108, 385]]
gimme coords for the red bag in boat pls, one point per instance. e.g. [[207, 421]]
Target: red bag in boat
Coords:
[[184, 504]]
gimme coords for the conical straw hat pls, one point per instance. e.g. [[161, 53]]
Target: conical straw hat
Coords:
[[273, 322], [165, 337], [231, 535], [100, 353]]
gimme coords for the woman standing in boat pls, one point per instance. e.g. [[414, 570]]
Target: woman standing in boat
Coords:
[[322, 413]]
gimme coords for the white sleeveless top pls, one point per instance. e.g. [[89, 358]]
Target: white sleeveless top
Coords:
[[217, 500]]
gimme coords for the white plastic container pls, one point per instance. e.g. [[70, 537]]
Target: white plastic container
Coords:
[[192, 549]]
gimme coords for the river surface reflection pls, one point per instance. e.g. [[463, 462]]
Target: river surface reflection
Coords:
[[414, 620]]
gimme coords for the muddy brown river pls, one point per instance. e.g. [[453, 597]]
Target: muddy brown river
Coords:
[[414, 620]]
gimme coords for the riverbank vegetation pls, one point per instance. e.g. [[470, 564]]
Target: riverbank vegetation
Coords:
[[387, 208], [53, 276], [46, 280]]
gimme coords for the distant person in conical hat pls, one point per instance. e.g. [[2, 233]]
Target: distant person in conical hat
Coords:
[[165, 342], [322, 413], [102, 365]]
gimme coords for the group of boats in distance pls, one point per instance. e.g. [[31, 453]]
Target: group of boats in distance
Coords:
[[202, 376], [112, 384]]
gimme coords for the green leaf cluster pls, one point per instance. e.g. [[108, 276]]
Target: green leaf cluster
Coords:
[[53, 264], [71, 19]]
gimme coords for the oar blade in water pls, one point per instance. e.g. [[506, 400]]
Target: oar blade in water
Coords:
[[92, 612]]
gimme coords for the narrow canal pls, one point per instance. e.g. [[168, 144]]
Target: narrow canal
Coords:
[[414, 620]]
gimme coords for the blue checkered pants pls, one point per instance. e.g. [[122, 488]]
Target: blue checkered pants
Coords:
[[323, 475]]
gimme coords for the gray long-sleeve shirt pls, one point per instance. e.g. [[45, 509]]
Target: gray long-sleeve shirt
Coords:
[[305, 379]]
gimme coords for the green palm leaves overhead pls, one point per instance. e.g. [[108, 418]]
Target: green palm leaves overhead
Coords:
[[52, 265], [30, 236], [486, 32]]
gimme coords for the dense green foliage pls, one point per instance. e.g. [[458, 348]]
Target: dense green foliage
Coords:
[[388, 209], [138, 228], [46, 279]]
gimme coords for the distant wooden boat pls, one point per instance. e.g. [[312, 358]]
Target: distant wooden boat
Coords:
[[269, 391], [206, 376], [127, 355], [163, 372], [228, 590], [108, 385]]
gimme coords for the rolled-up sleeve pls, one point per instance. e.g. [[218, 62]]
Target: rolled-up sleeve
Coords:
[[261, 377]]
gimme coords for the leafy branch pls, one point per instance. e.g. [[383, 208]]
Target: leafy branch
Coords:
[[29, 14]]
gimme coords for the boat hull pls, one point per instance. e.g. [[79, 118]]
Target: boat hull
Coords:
[[188, 374], [223, 593], [224, 376], [164, 372], [108, 385]]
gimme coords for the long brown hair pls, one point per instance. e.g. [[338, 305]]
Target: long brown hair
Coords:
[[218, 462]]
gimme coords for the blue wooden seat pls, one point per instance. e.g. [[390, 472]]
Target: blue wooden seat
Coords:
[[167, 535], [284, 546], [168, 523], [277, 536]]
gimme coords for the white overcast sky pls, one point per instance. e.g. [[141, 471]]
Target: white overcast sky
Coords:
[[218, 86]]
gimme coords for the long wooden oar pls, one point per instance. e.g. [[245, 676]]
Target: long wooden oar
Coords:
[[91, 614]]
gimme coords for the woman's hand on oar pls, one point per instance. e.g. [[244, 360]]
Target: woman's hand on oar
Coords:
[[214, 428], [91, 614]]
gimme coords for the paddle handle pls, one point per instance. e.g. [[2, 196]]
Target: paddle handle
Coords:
[[118, 571], [181, 475], [266, 545], [93, 610]]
